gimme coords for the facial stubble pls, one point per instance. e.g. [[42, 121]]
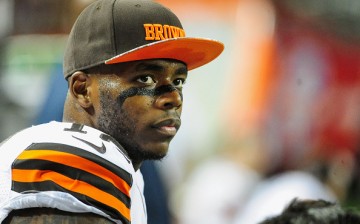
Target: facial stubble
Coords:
[[117, 122]]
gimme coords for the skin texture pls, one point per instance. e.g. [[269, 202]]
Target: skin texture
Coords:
[[138, 103]]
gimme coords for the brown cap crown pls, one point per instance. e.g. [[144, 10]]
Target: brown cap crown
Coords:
[[115, 31]]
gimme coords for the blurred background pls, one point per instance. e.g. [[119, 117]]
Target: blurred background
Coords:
[[276, 116]]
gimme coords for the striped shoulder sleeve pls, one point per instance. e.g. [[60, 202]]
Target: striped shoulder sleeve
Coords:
[[90, 178]]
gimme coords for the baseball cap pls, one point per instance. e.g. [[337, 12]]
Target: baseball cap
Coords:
[[115, 31]]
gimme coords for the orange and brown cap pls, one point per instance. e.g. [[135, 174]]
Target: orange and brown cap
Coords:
[[115, 31]]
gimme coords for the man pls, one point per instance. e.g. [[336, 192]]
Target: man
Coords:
[[125, 62]]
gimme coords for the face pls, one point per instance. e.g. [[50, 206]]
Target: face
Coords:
[[140, 105]]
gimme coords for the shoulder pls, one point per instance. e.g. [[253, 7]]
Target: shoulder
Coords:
[[69, 137], [68, 163]]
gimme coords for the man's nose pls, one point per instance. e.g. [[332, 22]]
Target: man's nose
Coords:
[[172, 98]]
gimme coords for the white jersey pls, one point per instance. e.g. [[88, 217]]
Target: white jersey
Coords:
[[73, 168]]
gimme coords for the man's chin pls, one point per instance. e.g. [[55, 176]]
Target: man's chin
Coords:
[[155, 157], [155, 153]]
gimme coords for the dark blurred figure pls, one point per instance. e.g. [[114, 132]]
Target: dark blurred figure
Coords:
[[314, 212], [155, 194], [54, 216]]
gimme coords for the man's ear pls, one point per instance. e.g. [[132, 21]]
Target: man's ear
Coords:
[[79, 87]]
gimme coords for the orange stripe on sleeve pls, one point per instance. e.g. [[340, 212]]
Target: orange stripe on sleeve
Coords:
[[79, 163], [71, 185]]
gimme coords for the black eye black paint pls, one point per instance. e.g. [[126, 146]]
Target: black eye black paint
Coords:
[[134, 91]]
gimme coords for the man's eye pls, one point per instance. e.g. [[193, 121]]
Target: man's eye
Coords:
[[179, 82], [146, 79]]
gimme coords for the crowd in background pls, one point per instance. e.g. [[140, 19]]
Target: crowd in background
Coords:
[[278, 114]]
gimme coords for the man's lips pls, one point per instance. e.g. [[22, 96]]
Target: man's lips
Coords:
[[168, 126]]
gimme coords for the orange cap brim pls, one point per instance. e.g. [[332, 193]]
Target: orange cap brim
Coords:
[[194, 52]]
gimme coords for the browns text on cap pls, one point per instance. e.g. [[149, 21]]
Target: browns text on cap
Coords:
[[115, 31]]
